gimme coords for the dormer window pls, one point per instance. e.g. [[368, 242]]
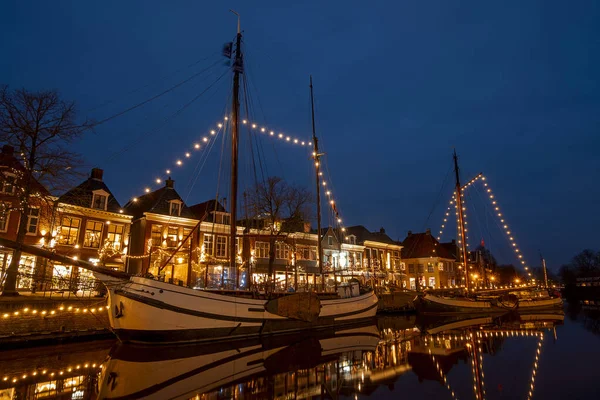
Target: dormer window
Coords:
[[175, 208], [352, 239], [330, 240], [99, 200]]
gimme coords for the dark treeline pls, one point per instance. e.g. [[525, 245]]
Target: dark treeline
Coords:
[[583, 265]]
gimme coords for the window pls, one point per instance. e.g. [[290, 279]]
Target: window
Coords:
[[429, 267], [175, 208], [69, 231], [261, 249], [156, 235], [413, 284], [330, 240], [114, 236], [8, 184], [303, 252], [172, 236], [282, 251], [411, 268], [4, 214], [33, 218], [352, 239], [93, 234], [441, 266], [421, 268], [208, 243], [221, 246], [313, 253], [222, 218], [186, 233], [403, 266], [432, 281], [99, 201], [238, 245]]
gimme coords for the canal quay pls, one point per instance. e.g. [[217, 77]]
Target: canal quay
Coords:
[[511, 356]]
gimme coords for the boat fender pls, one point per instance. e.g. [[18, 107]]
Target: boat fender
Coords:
[[119, 310]]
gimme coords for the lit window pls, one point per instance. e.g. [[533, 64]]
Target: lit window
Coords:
[[208, 243], [221, 247], [261, 249], [186, 233], [4, 215], [69, 231], [33, 219], [93, 234], [115, 236], [99, 201], [330, 240], [156, 235], [282, 251], [172, 233]]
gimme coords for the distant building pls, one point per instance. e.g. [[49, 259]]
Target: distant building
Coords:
[[429, 263], [162, 242]]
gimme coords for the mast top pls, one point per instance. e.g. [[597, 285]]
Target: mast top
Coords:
[[238, 16]]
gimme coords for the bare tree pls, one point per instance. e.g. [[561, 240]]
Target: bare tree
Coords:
[[283, 208], [39, 125]]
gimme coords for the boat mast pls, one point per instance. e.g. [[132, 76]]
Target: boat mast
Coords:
[[317, 157], [461, 222], [237, 67], [545, 272]]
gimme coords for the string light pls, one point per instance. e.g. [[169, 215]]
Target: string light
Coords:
[[34, 373], [24, 312], [505, 227], [214, 132]]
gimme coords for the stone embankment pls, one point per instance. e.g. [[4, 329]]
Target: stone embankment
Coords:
[[34, 320]]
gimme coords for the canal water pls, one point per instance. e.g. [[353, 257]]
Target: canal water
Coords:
[[543, 356]]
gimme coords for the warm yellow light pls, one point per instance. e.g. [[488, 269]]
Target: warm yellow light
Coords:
[[147, 190], [253, 126], [220, 125], [205, 139], [280, 135], [168, 171], [244, 121], [187, 155], [179, 162], [271, 133], [212, 132], [158, 180], [77, 246], [262, 129]]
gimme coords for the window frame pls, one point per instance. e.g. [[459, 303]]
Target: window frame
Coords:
[[221, 240], [70, 228], [154, 230], [5, 182], [33, 217], [97, 194], [173, 203], [262, 249], [210, 238], [7, 212], [115, 234], [85, 237]]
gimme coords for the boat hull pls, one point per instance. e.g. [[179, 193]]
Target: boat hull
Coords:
[[148, 311], [429, 304]]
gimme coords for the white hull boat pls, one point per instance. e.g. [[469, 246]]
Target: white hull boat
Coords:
[[149, 311]]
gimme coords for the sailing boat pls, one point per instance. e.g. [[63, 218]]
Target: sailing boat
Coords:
[[472, 303], [143, 309]]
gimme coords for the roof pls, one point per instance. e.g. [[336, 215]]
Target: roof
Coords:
[[8, 160], [82, 195], [362, 234], [421, 245], [158, 202], [206, 208]]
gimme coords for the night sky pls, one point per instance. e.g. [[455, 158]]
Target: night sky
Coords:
[[513, 86]]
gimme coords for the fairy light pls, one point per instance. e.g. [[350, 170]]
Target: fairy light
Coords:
[[442, 375], [220, 125], [27, 311], [536, 365], [496, 208]]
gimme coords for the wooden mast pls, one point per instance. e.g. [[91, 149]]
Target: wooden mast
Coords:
[[461, 222], [237, 67], [317, 157]]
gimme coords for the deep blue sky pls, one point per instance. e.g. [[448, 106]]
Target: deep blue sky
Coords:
[[514, 86]]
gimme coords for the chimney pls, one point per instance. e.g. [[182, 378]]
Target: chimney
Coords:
[[169, 182], [97, 174], [8, 150], [381, 230], [409, 233], [454, 242], [428, 231]]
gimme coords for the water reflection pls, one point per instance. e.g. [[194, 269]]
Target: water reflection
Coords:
[[346, 363]]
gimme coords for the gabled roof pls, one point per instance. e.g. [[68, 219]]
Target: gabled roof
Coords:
[[206, 208], [9, 161], [158, 202], [362, 234], [422, 245], [82, 195]]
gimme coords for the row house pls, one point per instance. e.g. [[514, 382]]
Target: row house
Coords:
[[163, 239], [214, 248], [39, 218], [428, 263], [89, 224], [382, 257]]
